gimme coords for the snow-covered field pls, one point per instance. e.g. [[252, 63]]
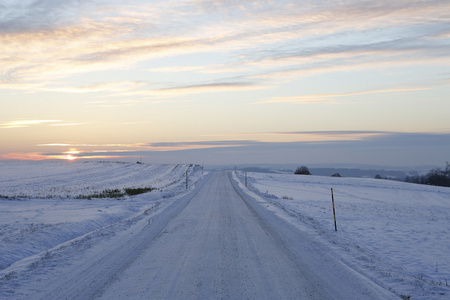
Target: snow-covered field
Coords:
[[397, 234], [44, 205], [60, 179]]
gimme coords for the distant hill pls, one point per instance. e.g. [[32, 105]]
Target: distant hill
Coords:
[[362, 171], [396, 175]]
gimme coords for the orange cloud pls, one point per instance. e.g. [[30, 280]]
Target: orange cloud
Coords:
[[23, 156], [36, 156]]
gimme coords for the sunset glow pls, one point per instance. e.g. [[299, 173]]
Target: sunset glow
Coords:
[[226, 81]]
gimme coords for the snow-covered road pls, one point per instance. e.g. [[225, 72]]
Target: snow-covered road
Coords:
[[216, 243]]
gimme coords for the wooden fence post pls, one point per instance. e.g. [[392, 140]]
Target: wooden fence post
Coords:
[[334, 211]]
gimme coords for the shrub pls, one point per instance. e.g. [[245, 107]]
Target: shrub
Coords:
[[137, 191], [302, 171], [117, 193], [108, 193]]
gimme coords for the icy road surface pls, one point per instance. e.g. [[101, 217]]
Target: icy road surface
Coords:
[[216, 243]]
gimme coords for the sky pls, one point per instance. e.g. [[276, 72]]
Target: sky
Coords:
[[226, 82]]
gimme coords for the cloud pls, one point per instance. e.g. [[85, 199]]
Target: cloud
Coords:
[[175, 69], [25, 123], [210, 87], [335, 132], [23, 156], [180, 89], [113, 87], [306, 136], [208, 69], [34, 16], [322, 98], [91, 145], [370, 147], [403, 48], [307, 60], [202, 144], [56, 39], [29, 123], [67, 124], [378, 148]]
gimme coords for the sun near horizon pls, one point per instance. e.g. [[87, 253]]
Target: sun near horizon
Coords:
[[226, 82]]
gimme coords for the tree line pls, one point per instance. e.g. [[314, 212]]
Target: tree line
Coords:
[[437, 177]]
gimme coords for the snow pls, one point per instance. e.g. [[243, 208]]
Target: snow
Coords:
[[72, 179], [223, 245], [40, 209], [395, 233]]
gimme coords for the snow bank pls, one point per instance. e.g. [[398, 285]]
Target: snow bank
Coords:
[[395, 233]]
